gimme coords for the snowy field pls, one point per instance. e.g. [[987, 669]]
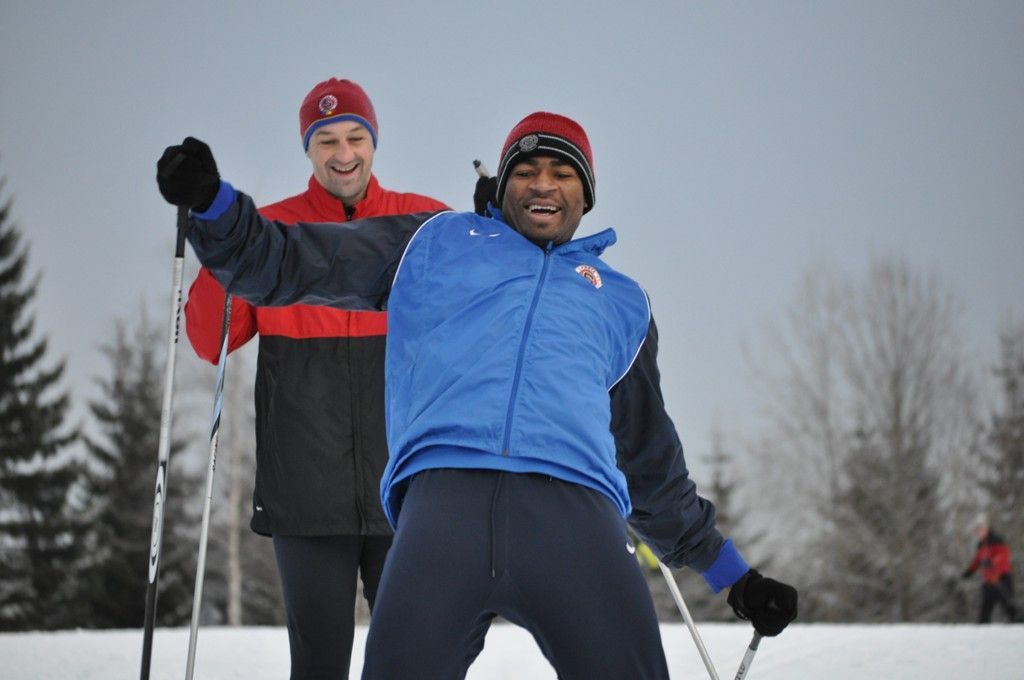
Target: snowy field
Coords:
[[836, 652]]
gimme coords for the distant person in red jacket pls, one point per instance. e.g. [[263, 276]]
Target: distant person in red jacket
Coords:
[[993, 558], [320, 436]]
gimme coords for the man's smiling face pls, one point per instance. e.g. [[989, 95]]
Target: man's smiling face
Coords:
[[544, 200], [342, 157]]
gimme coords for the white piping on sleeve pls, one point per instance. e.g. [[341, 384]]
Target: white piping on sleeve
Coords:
[[632, 361], [411, 239]]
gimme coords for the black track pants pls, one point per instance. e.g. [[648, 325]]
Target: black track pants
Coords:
[[318, 579], [547, 555], [1001, 594]]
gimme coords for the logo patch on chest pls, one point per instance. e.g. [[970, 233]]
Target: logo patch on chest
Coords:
[[590, 274]]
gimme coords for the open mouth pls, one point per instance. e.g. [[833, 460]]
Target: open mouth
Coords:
[[542, 210], [345, 170]]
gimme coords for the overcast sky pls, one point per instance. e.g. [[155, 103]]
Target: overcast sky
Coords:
[[735, 145]]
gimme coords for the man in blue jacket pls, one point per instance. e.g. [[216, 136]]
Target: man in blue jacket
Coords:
[[524, 408]]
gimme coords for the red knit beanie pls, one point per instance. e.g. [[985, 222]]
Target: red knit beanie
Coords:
[[548, 134], [333, 101]]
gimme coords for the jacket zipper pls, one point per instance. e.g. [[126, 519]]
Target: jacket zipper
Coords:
[[522, 350]]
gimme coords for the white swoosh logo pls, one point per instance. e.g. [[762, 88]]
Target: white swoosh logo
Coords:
[[474, 232]]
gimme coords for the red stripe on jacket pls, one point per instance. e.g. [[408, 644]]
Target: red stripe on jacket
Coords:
[[206, 297]]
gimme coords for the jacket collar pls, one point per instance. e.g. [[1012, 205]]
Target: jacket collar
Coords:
[[331, 206], [594, 244]]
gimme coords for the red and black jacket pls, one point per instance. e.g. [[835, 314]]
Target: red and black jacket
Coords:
[[993, 557], [320, 435]]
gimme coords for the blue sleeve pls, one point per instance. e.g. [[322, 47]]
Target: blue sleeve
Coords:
[[668, 514], [350, 265]]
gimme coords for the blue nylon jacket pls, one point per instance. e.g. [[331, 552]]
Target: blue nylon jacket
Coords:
[[501, 355]]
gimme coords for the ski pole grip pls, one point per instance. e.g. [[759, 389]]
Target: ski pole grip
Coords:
[[179, 245]]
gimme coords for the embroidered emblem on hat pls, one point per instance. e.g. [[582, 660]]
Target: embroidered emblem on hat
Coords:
[[327, 104], [528, 143], [590, 274]]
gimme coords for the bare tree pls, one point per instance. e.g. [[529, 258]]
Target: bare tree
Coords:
[[870, 400], [1002, 469], [796, 461]]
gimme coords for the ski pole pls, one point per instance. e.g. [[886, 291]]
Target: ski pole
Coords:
[[163, 448], [678, 597], [748, 658], [481, 169], [204, 534]]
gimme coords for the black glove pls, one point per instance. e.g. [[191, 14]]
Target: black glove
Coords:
[[967, 573], [486, 190], [187, 175], [766, 603]]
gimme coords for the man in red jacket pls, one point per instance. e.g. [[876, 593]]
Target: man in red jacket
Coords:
[[320, 437], [993, 557]]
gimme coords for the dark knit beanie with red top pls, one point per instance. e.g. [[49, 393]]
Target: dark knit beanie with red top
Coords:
[[333, 101], [548, 134]]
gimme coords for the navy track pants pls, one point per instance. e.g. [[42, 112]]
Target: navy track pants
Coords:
[[318, 580], [545, 554]]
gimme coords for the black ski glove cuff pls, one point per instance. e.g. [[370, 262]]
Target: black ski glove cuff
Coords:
[[768, 604], [187, 175]]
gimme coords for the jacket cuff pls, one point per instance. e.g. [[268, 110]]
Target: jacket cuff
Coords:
[[221, 202], [727, 568]]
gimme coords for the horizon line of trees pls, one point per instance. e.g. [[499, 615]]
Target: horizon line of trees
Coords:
[[881, 440]]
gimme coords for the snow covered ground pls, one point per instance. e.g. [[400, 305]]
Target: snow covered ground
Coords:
[[836, 652]]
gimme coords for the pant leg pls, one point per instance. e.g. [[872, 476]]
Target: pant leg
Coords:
[[989, 595], [547, 555], [431, 613], [318, 580], [1006, 598], [371, 564], [581, 593]]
